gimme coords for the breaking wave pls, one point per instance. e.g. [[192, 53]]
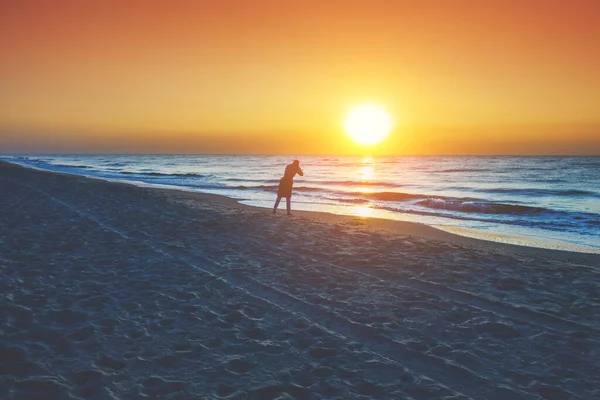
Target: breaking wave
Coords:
[[189, 175], [483, 208]]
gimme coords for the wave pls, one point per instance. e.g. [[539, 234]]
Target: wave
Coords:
[[358, 197], [70, 166], [351, 201], [328, 159], [563, 224], [188, 175], [356, 183], [271, 188], [554, 180], [541, 192], [530, 192], [48, 163], [464, 170], [388, 196], [482, 208], [204, 186], [251, 180]]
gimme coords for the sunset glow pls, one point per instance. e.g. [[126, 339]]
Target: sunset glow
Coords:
[[368, 125], [265, 76]]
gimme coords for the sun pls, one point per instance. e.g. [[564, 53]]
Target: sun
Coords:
[[368, 124]]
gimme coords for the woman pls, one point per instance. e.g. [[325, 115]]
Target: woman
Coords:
[[285, 185]]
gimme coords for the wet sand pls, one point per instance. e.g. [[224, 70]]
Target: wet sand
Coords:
[[115, 291]]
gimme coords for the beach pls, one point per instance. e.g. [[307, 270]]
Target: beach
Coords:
[[527, 201], [115, 291]]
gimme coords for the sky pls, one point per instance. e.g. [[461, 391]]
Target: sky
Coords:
[[252, 76]]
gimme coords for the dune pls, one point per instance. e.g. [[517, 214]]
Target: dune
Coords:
[[113, 291]]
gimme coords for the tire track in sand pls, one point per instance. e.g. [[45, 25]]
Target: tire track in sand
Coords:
[[467, 299]]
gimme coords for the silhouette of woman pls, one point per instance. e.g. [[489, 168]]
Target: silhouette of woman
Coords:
[[285, 185]]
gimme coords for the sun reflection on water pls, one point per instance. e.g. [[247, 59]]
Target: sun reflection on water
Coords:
[[362, 211], [366, 190], [367, 173]]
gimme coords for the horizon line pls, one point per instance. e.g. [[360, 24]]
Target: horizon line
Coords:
[[299, 154]]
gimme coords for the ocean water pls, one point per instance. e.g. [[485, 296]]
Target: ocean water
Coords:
[[550, 201]]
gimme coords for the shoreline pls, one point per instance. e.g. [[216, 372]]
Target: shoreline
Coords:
[[396, 226], [555, 240]]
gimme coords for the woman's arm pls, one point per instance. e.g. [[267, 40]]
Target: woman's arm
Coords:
[[300, 171]]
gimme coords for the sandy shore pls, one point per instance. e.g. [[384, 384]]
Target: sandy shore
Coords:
[[111, 291]]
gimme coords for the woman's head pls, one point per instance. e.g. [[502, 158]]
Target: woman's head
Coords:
[[296, 162]]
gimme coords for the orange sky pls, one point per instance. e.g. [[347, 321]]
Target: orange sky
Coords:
[[223, 76]]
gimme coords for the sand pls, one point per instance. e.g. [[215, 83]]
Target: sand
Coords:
[[112, 291]]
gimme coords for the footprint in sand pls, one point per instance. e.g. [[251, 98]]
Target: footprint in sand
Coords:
[[182, 347], [13, 361], [170, 360], [167, 322], [234, 317], [273, 392], [136, 334], [322, 352], [240, 366], [553, 393], [82, 334], [214, 342], [105, 361], [255, 313], [65, 318], [11, 354], [148, 354], [234, 306], [499, 330], [323, 372], [106, 322], [303, 378], [50, 337], [156, 386], [303, 340], [41, 389], [370, 389], [255, 334], [89, 383], [16, 318], [225, 391], [96, 303]]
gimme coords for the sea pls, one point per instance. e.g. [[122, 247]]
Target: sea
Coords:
[[536, 201]]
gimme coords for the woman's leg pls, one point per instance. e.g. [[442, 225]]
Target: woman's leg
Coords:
[[288, 202], [276, 204]]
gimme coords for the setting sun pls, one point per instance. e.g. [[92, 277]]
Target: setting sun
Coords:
[[368, 125]]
